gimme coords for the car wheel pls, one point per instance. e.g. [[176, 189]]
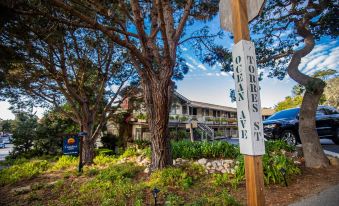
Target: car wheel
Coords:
[[289, 137]]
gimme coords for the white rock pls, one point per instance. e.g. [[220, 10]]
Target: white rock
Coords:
[[22, 189], [232, 171], [208, 164], [202, 161], [146, 170], [223, 171]]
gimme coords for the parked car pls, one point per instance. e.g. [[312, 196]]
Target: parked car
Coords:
[[2, 145], [285, 125]]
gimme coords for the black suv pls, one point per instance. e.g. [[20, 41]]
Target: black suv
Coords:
[[285, 124]]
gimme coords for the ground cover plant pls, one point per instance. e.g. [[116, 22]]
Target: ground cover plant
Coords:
[[114, 180]]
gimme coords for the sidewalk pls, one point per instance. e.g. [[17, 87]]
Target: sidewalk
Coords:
[[328, 197]]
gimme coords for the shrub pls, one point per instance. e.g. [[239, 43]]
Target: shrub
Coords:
[[277, 145], [220, 179], [142, 143], [21, 171], [66, 162], [103, 160], [170, 177], [129, 152], [195, 150], [272, 166], [104, 151]]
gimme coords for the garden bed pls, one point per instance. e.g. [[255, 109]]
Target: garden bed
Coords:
[[121, 180]]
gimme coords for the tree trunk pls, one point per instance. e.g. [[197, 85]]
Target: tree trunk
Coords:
[[87, 151], [157, 95], [87, 144], [312, 149]]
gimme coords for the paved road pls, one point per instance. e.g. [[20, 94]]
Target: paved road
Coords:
[[5, 151], [328, 197]]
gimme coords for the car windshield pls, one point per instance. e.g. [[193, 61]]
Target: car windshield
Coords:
[[286, 114]]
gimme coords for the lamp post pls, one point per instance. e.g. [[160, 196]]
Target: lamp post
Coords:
[[155, 192], [81, 135]]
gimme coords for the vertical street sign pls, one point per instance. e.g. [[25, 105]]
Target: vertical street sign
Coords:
[[234, 17], [251, 135]]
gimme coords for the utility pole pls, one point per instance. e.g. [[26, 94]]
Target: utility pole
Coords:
[[234, 16]]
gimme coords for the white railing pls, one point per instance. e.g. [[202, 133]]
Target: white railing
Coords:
[[203, 119]]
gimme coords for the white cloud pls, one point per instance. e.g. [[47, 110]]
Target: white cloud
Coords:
[[201, 66], [323, 56]]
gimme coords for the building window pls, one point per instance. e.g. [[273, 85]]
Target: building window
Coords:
[[184, 109]]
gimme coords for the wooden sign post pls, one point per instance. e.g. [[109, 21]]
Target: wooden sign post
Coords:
[[234, 16]]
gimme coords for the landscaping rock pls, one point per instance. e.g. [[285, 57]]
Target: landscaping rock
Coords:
[[333, 161], [22, 190], [147, 170], [208, 164], [202, 161]]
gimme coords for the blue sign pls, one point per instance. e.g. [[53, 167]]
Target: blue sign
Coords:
[[71, 145]]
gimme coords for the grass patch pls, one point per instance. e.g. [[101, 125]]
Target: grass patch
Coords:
[[66, 162], [20, 171]]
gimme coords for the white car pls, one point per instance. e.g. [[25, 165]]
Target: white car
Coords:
[[2, 145]]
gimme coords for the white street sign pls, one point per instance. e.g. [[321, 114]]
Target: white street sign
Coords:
[[250, 127], [225, 10]]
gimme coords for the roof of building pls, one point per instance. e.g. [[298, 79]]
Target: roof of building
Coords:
[[203, 104], [212, 106], [267, 111]]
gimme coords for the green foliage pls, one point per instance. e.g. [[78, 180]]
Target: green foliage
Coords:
[[113, 186], [331, 92], [273, 161], [66, 162], [289, 102], [142, 143], [129, 152], [104, 151], [6, 126], [222, 198], [193, 170], [220, 179], [277, 146], [119, 171], [170, 177], [179, 134], [103, 160], [22, 171], [195, 150], [141, 116], [173, 199]]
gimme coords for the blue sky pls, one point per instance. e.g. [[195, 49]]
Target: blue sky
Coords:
[[208, 84]]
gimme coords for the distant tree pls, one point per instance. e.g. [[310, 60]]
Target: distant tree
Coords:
[[289, 102], [24, 133], [60, 64], [6, 126], [50, 130], [331, 92], [322, 74]]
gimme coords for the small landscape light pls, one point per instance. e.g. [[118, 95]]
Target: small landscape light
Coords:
[[283, 172], [155, 192]]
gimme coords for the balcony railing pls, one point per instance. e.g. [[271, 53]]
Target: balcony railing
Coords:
[[203, 119]]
